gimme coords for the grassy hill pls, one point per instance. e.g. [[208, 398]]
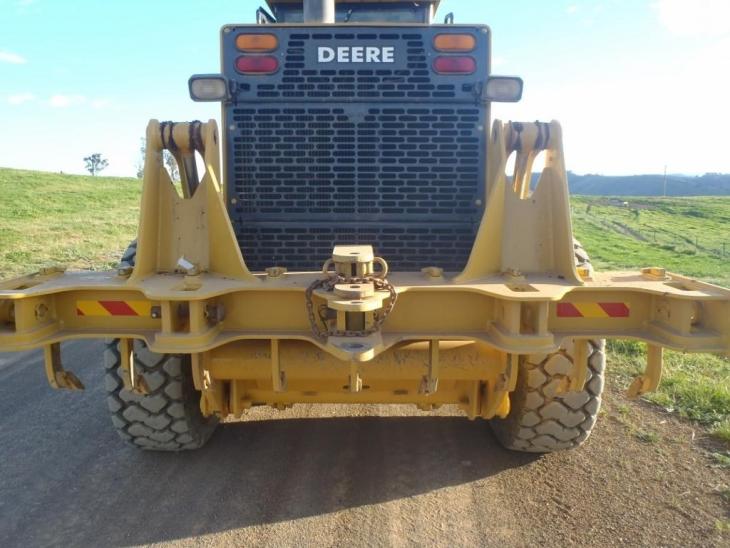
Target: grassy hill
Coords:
[[86, 222], [47, 218]]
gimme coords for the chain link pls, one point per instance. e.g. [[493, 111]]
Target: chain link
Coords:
[[328, 284]]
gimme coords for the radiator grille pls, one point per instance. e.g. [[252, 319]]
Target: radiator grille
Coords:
[[304, 247], [373, 163], [406, 180]]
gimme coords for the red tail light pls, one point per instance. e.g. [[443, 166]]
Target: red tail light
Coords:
[[455, 65], [257, 64]]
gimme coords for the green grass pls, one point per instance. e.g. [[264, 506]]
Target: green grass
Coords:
[[696, 386], [723, 461], [79, 221], [683, 235], [647, 436]]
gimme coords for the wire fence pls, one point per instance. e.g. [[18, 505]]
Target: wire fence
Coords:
[[705, 243], [672, 241]]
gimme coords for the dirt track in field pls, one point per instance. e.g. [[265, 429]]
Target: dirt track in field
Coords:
[[336, 475]]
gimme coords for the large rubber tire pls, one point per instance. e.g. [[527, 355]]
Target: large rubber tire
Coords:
[[540, 419], [130, 255], [168, 418]]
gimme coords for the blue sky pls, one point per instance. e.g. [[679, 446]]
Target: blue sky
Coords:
[[636, 84]]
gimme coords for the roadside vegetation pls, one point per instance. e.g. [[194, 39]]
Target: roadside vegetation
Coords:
[[86, 223]]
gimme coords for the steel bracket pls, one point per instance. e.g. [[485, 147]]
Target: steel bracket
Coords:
[[213, 399], [133, 381], [495, 396], [278, 377], [579, 372], [430, 382], [57, 376], [649, 381]]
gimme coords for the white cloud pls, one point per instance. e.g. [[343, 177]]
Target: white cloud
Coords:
[[571, 9], [20, 98], [12, 58], [697, 17], [99, 104], [65, 101]]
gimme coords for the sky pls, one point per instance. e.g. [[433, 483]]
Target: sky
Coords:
[[637, 85]]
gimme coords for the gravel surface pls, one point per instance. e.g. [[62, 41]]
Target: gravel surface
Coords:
[[335, 475]]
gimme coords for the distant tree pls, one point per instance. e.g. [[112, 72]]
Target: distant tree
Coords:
[[95, 163], [140, 163]]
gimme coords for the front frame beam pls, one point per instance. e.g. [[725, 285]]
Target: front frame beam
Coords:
[[676, 313]]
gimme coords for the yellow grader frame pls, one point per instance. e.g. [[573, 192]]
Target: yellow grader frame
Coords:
[[355, 333]]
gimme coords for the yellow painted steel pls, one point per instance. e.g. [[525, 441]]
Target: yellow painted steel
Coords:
[[524, 232], [451, 338], [196, 228], [398, 375]]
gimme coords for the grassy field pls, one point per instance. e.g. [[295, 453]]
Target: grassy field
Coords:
[[86, 222], [81, 222], [684, 235]]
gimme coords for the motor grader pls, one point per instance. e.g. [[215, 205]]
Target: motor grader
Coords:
[[360, 243]]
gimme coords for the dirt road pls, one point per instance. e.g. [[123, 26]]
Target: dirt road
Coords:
[[340, 476]]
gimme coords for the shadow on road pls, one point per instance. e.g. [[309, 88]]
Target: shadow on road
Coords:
[[67, 479], [276, 470]]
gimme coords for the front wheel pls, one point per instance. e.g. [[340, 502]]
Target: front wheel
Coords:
[[168, 418], [541, 420]]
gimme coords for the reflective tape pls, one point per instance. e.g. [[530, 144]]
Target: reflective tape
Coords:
[[113, 308], [593, 310]]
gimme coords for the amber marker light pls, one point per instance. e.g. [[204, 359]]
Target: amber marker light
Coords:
[[256, 43], [454, 43]]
